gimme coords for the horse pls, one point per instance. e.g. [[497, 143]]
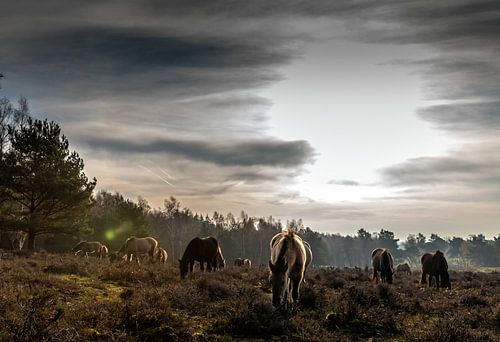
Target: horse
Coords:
[[161, 255], [219, 262], [203, 250], [135, 246], [103, 253], [435, 265], [309, 256], [287, 267], [86, 248], [403, 269], [238, 262], [382, 262]]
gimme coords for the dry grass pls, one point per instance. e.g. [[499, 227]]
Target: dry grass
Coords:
[[61, 297]]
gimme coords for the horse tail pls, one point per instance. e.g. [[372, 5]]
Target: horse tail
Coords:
[[386, 266], [154, 247]]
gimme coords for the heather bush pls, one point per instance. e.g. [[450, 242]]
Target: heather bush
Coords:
[[61, 297]]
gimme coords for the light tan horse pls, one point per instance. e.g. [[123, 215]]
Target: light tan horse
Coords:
[[287, 266], [161, 255], [309, 256], [135, 246], [240, 262], [403, 269], [90, 248]]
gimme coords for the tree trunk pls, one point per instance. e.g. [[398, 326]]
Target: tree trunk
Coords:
[[31, 240]]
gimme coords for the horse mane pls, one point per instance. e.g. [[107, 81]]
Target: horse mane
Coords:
[[284, 247]]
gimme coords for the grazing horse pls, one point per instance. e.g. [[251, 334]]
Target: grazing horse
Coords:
[[86, 248], [309, 256], [382, 262], [135, 246], [103, 252], [238, 262], [203, 250], [287, 266], [403, 269], [161, 255], [435, 265], [219, 262]]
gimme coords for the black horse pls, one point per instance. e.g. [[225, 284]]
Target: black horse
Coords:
[[435, 265]]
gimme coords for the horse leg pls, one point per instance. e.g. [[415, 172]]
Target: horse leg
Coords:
[[191, 266], [437, 281], [202, 266], [423, 279], [429, 284]]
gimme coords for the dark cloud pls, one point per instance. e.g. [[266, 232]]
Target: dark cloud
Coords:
[[469, 174], [114, 61], [345, 182], [248, 153], [465, 118]]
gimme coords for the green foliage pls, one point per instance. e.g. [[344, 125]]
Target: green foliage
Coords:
[[114, 219], [42, 183]]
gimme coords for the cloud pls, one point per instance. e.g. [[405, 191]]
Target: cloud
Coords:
[[344, 182], [469, 174], [239, 153], [465, 118]]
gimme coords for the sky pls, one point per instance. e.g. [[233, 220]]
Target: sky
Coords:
[[347, 114]]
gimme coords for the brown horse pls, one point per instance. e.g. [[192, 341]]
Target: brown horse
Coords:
[[161, 255], [287, 266], [403, 269], [202, 250], [135, 246], [87, 248], [382, 262], [435, 265]]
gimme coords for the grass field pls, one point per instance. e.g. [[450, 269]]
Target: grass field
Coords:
[[65, 298]]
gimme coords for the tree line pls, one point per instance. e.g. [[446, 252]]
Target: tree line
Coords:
[[45, 193]]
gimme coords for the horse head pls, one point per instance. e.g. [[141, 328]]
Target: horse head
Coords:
[[278, 280], [183, 267]]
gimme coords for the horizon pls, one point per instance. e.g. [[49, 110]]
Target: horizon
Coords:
[[347, 115]]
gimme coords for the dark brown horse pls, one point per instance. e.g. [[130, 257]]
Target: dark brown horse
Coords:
[[287, 266], [238, 262], [203, 250], [435, 265], [382, 262]]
